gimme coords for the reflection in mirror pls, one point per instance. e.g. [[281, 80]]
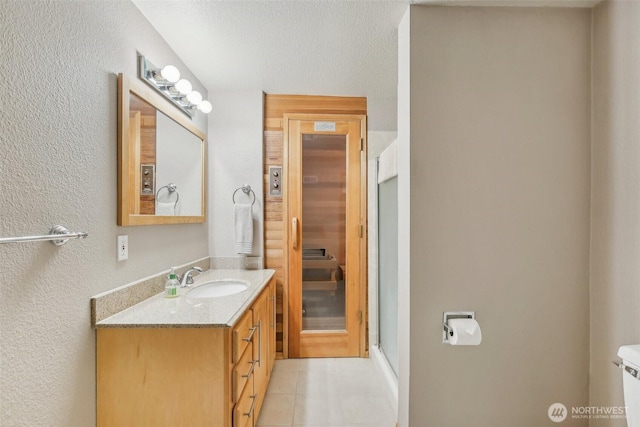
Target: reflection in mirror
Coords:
[[161, 161], [170, 162]]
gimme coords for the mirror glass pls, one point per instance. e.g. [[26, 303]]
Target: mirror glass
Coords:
[[161, 160]]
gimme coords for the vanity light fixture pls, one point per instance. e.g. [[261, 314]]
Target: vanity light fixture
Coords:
[[179, 91]]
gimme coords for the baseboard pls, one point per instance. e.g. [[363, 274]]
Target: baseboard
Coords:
[[388, 375]]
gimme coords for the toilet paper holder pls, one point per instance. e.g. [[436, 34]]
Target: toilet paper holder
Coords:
[[447, 315]]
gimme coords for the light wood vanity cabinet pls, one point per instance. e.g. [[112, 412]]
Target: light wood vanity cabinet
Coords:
[[213, 377]]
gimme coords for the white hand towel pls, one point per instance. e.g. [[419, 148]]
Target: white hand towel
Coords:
[[165, 209], [243, 228]]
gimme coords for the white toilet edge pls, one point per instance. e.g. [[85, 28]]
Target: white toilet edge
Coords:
[[630, 354]]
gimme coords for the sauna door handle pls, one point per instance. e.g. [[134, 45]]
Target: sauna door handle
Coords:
[[294, 233]]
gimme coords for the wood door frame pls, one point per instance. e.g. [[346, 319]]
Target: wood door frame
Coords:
[[362, 286]]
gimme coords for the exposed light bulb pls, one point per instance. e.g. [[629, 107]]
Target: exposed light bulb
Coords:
[[205, 107], [183, 86], [170, 74], [194, 97]]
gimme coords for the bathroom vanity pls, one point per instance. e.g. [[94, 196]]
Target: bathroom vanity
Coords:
[[188, 361]]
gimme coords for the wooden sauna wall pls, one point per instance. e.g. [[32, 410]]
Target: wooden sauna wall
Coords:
[[147, 146], [324, 167], [275, 106]]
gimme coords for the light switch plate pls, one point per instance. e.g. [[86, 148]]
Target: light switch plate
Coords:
[[275, 181], [148, 180]]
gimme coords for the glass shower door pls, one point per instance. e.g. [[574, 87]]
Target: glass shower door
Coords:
[[388, 270]]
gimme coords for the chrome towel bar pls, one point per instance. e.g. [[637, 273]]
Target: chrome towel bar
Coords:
[[58, 235]]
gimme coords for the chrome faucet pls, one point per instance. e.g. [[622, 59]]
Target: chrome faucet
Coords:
[[187, 279]]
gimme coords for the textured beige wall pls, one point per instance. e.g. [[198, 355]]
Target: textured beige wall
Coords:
[[404, 216], [58, 165], [499, 211], [615, 209]]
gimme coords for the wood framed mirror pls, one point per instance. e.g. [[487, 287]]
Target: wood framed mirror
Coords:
[[161, 160]]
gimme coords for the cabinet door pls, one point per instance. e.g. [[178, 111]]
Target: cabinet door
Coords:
[[260, 347]]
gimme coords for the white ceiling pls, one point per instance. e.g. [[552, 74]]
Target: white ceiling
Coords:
[[315, 47]]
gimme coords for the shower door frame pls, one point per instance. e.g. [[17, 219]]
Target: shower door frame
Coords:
[[351, 342]]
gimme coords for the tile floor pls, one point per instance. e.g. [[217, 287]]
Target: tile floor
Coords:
[[326, 393]]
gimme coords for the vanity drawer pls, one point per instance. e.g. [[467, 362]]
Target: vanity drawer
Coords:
[[243, 371], [243, 411], [242, 335]]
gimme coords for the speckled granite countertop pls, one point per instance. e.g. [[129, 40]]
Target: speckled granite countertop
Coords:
[[184, 312]]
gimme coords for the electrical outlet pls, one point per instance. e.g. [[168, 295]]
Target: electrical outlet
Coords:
[[123, 247]]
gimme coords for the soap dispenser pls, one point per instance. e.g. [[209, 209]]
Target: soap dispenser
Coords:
[[171, 286]]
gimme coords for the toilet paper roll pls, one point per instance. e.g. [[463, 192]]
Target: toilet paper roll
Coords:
[[465, 332]]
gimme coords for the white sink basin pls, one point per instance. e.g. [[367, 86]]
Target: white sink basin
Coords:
[[218, 288]]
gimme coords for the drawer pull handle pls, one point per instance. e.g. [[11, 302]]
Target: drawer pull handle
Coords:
[[253, 365], [273, 298], [250, 337], [253, 404], [259, 326]]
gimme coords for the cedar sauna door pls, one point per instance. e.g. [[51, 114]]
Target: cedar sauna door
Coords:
[[324, 233]]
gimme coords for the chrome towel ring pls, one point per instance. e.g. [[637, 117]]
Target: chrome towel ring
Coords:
[[246, 189], [171, 188]]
